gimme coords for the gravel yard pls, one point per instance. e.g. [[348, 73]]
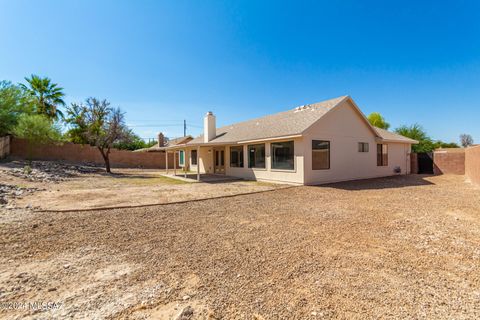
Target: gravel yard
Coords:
[[399, 248], [50, 185]]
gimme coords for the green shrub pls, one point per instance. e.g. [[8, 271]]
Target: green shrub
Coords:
[[37, 129]]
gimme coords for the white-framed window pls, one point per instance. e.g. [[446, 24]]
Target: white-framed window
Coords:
[[256, 156], [181, 158], [236, 157], [194, 157], [320, 155], [283, 155], [363, 147], [382, 155]]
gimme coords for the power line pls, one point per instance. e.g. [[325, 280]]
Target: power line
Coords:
[[162, 125]]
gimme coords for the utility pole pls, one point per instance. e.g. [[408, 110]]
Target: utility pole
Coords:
[[184, 128]]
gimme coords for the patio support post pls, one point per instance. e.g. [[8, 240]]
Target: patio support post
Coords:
[[174, 162], [198, 163], [166, 161]]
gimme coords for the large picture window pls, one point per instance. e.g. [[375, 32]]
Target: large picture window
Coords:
[[320, 155], [382, 155], [236, 157], [256, 156], [193, 156], [282, 155]]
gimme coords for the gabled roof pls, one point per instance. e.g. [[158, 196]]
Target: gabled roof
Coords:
[[289, 123]]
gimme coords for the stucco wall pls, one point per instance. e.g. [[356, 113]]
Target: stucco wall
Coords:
[[345, 128], [449, 161], [472, 164], [205, 159], [269, 174], [77, 153]]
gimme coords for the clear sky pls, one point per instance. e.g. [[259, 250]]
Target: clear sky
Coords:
[[165, 61]]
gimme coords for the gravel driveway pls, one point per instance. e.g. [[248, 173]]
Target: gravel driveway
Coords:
[[404, 247]]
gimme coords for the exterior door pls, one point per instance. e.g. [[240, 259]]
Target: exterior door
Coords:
[[219, 161]]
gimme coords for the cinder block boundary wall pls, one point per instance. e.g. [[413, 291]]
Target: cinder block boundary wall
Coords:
[[472, 164], [77, 153], [449, 161]]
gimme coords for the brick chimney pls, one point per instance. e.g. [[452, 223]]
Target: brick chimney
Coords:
[[209, 127], [161, 140]]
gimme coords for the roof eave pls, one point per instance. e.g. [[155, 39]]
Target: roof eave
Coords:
[[410, 141]]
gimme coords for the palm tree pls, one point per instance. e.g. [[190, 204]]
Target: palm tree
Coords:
[[377, 120], [47, 96]]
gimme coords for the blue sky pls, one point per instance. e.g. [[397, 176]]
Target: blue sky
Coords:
[[162, 62]]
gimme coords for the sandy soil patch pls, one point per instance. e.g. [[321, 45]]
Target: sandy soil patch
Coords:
[[392, 248], [126, 187]]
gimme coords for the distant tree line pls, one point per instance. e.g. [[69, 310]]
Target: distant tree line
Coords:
[[416, 132], [33, 111]]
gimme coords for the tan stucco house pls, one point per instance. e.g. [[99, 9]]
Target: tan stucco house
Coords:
[[318, 143]]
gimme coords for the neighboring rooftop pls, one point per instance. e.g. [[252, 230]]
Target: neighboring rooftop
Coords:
[[168, 143]]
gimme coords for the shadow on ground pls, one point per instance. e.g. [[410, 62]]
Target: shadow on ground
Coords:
[[383, 183]]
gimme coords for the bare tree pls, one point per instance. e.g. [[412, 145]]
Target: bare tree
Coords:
[[466, 140], [98, 124]]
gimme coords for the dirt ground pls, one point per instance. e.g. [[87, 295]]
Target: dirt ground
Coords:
[[391, 248], [66, 189]]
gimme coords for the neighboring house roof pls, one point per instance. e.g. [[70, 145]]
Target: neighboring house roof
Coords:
[[170, 143], [287, 124], [179, 140]]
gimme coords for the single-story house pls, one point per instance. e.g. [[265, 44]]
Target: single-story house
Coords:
[[318, 143]]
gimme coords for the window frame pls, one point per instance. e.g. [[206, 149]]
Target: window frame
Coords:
[[272, 156], [382, 155], [181, 158], [239, 150], [264, 156], [329, 153], [362, 145]]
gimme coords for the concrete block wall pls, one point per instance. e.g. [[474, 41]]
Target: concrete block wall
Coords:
[[77, 153], [449, 161]]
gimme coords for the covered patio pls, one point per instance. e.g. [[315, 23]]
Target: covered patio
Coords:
[[195, 162]]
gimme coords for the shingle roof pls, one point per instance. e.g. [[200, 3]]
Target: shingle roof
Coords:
[[287, 123], [390, 136], [283, 124], [170, 143]]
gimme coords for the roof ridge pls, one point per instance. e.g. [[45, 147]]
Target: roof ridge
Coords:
[[340, 98]]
